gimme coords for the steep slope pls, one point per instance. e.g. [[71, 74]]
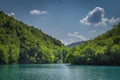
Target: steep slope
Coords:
[[103, 50], [20, 43]]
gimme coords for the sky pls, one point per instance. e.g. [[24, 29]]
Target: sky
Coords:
[[67, 20]]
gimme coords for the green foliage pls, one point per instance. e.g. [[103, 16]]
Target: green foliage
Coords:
[[4, 57], [13, 53], [103, 50], [20, 43]]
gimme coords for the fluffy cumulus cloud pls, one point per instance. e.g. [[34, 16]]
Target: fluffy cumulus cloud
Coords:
[[12, 14], [38, 12], [77, 35], [97, 17], [73, 37], [114, 20], [67, 41]]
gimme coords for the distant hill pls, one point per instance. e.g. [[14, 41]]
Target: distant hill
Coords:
[[21, 43], [75, 44], [103, 50]]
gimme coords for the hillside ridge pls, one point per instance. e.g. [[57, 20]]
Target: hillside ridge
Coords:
[[21, 43]]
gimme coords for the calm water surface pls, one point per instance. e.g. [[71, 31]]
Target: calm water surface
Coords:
[[58, 72]]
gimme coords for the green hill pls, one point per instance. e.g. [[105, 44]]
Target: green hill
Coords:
[[20, 43], [75, 44], [103, 50]]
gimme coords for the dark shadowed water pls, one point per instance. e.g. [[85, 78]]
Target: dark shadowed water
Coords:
[[58, 72]]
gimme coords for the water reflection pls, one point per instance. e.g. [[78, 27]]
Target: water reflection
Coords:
[[58, 72]]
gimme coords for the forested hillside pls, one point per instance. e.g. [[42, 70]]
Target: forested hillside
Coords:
[[20, 43], [75, 44], [103, 50]]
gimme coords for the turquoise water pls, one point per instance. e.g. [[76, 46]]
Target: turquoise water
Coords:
[[58, 72]]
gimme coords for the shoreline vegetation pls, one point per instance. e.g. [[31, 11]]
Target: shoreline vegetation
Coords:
[[20, 43], [23, 44]]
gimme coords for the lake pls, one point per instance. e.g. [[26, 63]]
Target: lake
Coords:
[[58, 72]]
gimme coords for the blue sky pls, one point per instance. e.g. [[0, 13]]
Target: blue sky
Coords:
[[67, 20]]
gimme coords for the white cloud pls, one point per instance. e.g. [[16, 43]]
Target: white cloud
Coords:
[[66, 41], [12, 14], [92, 31], [76, 35], [97, 17], [113, 20], [73, 37], [38, 12]]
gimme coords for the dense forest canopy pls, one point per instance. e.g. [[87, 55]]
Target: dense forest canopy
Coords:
[[20, 43], [103, 50]]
